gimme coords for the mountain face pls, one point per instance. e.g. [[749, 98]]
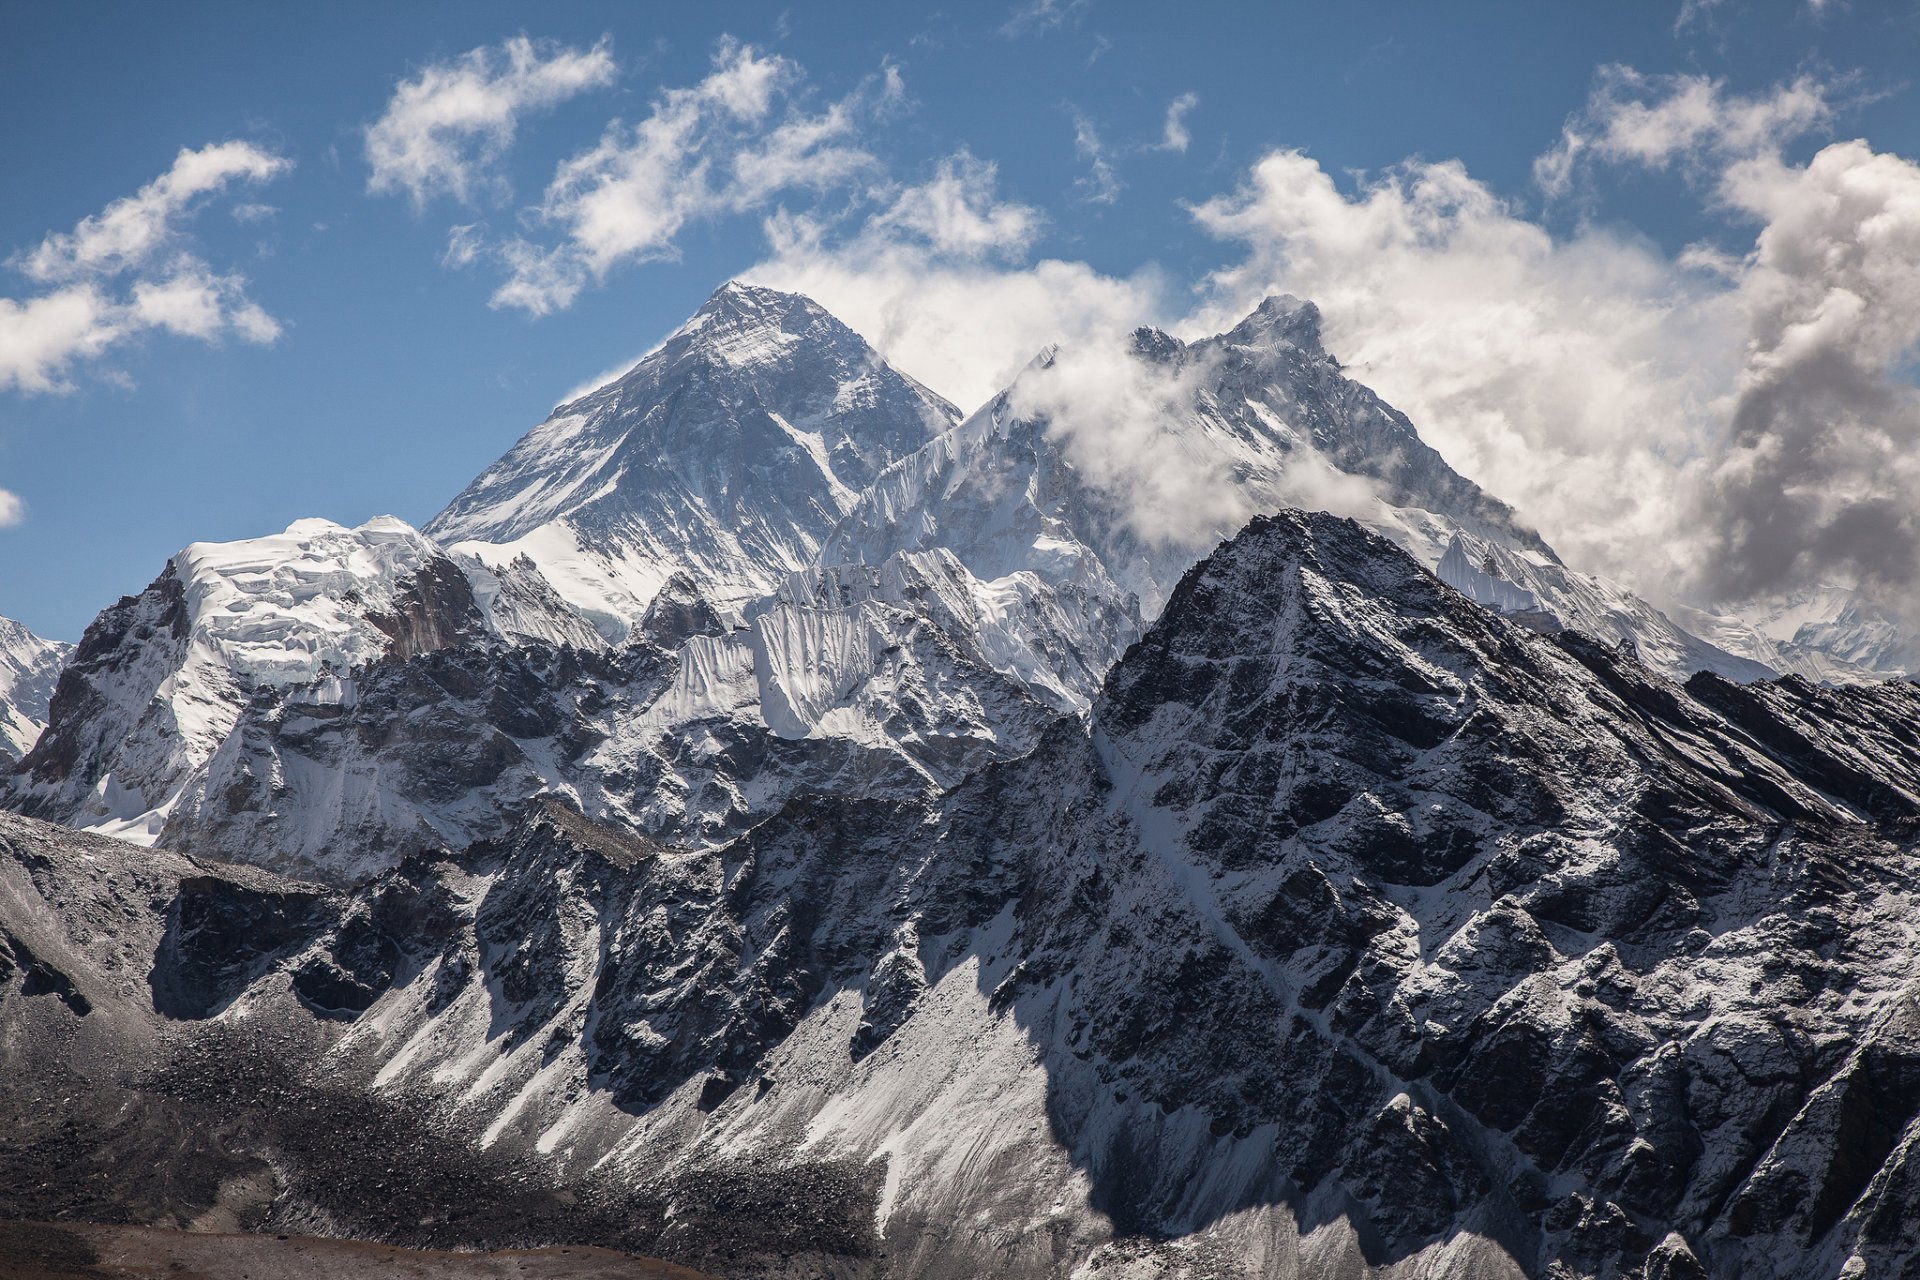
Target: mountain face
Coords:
[[1356, 930], [29, 666], [153, 694], [728, 454], [329, 701]]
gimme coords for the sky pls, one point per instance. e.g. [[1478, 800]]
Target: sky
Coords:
[[1649, 272]]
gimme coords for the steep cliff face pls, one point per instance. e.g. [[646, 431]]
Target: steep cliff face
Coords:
[[1357, 930]]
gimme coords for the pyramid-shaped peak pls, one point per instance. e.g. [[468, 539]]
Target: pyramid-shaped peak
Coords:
[[749, 305], [1280, 317]]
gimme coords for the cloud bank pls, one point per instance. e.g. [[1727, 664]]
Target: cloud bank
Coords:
[[1717, 426]]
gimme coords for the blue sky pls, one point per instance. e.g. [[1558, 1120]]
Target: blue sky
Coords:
[[305, 334]]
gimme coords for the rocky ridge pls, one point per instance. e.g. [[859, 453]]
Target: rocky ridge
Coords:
[[1356, 929]]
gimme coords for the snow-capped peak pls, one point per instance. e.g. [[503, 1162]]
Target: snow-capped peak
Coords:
[[728, 454]]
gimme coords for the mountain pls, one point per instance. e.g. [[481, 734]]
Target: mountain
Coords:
[[1263, 418], [329, 701], [727, 454], [157, 685], [1356, 930], [29, 666], [759, 563]]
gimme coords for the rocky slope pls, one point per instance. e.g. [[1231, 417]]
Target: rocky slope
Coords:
[[29, 666], [1357, 930]]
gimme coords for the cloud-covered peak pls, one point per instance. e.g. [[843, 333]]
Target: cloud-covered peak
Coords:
[[1280, 317]]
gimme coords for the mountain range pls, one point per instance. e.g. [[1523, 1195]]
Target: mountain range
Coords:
[[775, 821]]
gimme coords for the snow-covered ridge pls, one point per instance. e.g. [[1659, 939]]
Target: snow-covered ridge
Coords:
[[29, 666], [161, 680]]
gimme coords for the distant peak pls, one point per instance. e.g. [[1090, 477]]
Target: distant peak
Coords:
[[1281, 317], [1155, 344]]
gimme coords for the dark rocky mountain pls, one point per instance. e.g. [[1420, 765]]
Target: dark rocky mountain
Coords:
[[1357, 930]]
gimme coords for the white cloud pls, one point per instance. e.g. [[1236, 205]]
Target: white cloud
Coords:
[[12, 509], [1174, 135], [1039, 16], [1566, 376], [936, 282], [1720, 426], [464, 245], [42, 338], [131, 230], [444, 130], [1819, 478], [1116, 418], [1101, 183], [732, 143], [1702, 11], [955, 213], [1654, 121]]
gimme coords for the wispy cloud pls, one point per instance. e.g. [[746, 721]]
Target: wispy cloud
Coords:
[[1659, 121], [13, 510], [1101, 183], [127, 270], [445, 129], [732, 143], [1039, 16], [1174, 135], [132, 230]]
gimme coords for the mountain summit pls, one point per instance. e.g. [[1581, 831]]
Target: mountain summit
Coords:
[[728, 453]]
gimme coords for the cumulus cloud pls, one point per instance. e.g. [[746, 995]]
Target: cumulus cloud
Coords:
[[12, 509], [445, 129], [125, 271], [1174, 135], [1714, 426], [1658, 120], [1820, 475], [1565, 375], [938, 279], [732, 143]]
